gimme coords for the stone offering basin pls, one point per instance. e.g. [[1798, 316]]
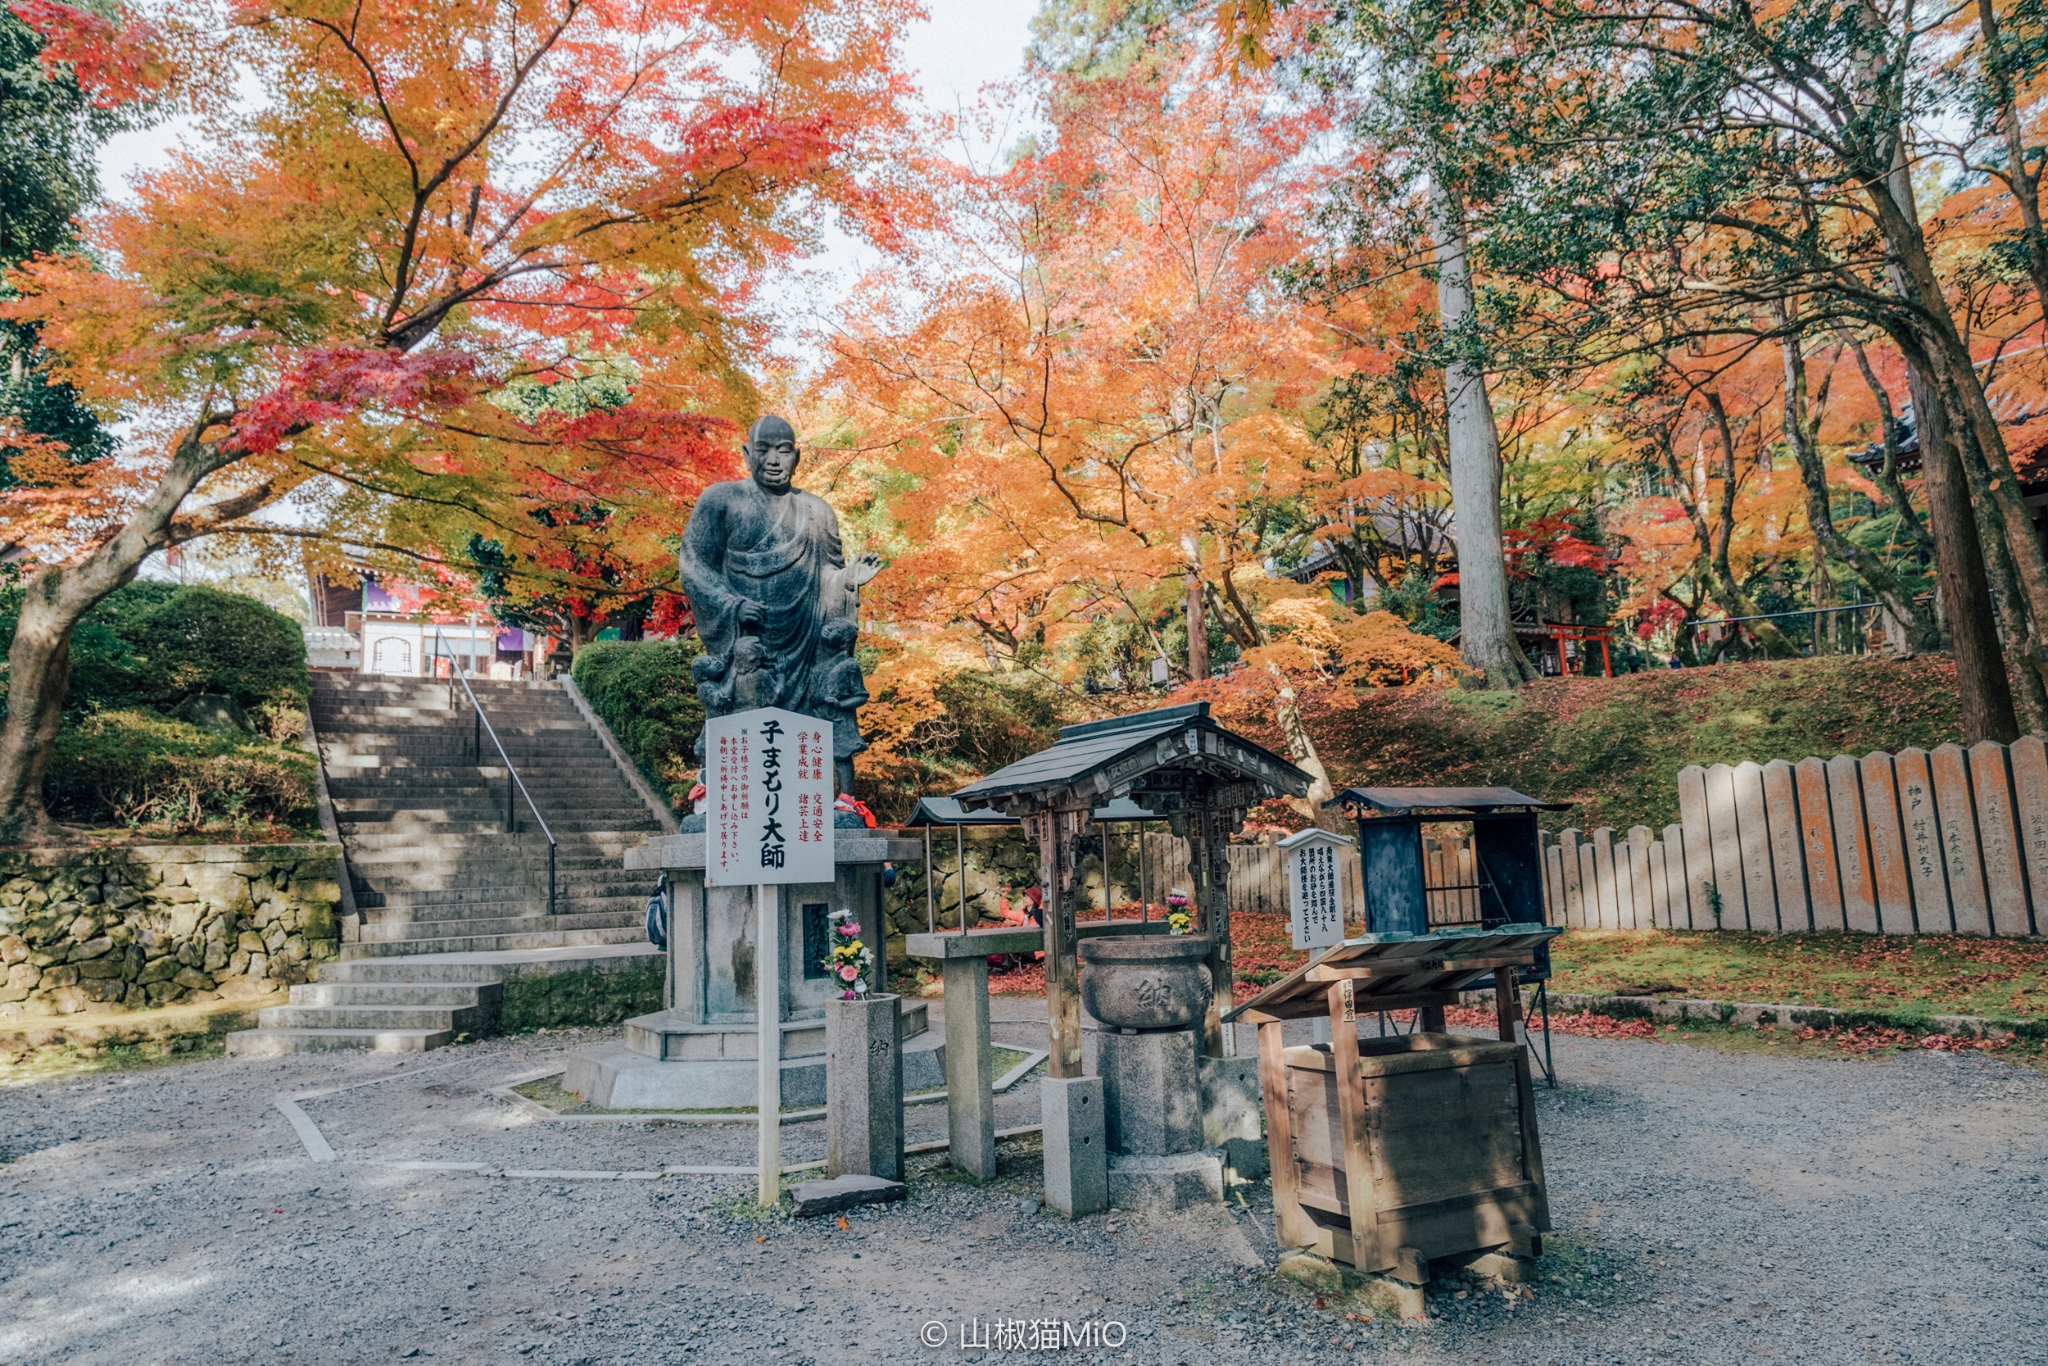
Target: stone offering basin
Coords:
[[1146, 981]]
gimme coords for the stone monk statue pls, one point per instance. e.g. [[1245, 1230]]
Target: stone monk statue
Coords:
[[764, 573]]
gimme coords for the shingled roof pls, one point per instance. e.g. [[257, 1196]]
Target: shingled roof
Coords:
[[1104, 755]]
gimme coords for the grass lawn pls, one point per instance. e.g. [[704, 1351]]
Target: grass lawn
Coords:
[[1931, 974], [1909, 974]]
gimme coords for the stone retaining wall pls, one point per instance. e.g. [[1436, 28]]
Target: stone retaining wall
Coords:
[[151, 925]]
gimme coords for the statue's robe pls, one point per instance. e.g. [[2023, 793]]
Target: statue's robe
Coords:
[[744, 544]]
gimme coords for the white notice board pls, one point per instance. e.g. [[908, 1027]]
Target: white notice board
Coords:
[[768, 784], [1315, 888]]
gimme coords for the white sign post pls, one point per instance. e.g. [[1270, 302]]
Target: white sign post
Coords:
[[1315, 887], [768, 821]]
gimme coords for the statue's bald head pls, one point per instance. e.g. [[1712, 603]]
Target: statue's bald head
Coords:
[[771, 453]]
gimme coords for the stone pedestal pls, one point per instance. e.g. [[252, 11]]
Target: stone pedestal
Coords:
[[1076, 1170], [864, 1088], [1151, 1090], [701, 1053]]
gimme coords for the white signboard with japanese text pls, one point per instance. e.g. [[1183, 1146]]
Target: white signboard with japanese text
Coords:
[[768, 784], [1315, 888]]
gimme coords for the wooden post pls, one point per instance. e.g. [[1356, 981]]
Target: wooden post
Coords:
[[960, 869], [1891, 865], [1507, 1003], [1998, 838], [1351, 1131], [1787, 854], [1295, 1229], [768, 1016], [1817, 841], [1055, 830], [931, 905], [1212, 898], [1952, 798]]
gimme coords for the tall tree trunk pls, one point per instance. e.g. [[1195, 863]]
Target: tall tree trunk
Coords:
[[1987, 709], [1973, 463], [1870, 567], [1725, 587], [1301, 750], [2025, 184], [1198, 630], [1486, 630]]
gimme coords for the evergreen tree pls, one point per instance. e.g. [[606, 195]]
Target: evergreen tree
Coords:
[[50, 129]]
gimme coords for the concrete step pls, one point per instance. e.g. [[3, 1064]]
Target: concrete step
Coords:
[[275, 1043], [382, 930], [444, 995], [549, 939], [378, 1019], [435, 970], [454, 834], [467, 902]]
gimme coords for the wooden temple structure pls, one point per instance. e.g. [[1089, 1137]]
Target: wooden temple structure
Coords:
[[1173, 764]]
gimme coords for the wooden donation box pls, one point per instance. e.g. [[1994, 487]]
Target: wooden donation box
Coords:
[[1412, 1146]]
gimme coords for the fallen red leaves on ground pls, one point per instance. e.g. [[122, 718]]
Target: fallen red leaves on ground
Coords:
[[1602, 1026]]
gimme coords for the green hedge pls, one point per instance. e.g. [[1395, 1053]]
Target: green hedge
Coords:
[[646, 693]]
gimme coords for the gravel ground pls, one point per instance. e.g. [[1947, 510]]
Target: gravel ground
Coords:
[[1709, 1207]]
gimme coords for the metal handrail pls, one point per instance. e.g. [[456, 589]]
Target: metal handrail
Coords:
[[512, 778]]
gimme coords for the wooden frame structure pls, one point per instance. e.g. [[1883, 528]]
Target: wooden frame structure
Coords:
[[1177, 765], [1507, 859], [938, 813], [1389, 1152]]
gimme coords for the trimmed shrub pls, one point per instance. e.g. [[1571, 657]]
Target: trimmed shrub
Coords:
[[201, 640], [137, 768], [646, 693], [156, 644]]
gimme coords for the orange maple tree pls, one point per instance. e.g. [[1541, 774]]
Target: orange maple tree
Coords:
[[432, 202], [1090, 388]]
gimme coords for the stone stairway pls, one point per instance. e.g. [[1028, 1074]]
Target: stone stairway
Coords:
[[434, 870]]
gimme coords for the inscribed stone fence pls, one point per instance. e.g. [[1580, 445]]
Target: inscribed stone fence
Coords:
[[1949, 842]]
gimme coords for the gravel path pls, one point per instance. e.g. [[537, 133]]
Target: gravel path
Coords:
[[1710, 1208]]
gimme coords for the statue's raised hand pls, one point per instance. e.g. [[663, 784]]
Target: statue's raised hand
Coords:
[[863, 567]]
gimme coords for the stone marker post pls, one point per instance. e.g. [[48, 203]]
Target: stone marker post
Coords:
[[970, 1093], [864, 1087], [1076, 1147]]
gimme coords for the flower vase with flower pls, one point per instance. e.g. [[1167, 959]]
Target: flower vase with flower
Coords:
[[1180, 917], [850, 962]]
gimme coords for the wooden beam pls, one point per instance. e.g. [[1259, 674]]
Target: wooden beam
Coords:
[[1408, 967], [1304, 1007], [1056, 831], [1351, 1125]]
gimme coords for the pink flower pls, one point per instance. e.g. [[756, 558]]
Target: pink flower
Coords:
[[848, 929], [847, 972]]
